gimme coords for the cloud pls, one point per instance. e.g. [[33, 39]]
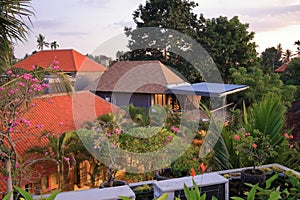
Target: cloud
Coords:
[[267, 19], [123, 23], [71, 33], [47, 24], [94, 3]]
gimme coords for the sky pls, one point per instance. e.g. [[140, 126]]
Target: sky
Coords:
[[86, 25]]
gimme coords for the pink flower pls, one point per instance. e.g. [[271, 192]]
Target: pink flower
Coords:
[[291, 146], [291, 137], [11, 92], [45, 85], [11, 129], [236, 137], [254, 146], [9, 72], [17, 165], [286, 136], [55, 67], [33, 66], [26, 122], [46, 153], [247, 134], [173, 128], [118, 131], [67, 159], [61, 123], [21, 84], [5, 178], [26, 76], [38, 126]]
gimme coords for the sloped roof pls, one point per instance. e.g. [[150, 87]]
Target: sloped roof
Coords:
[[138, 77], [282, 68], [57, 114], [207, 89], [69, 60]]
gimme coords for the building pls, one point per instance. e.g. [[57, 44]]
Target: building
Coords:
[[81, 69], [56, 114]]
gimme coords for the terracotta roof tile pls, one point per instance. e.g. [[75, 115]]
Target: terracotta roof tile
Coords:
[[69, 60], [138, 76], [282, 68], [57, 114]]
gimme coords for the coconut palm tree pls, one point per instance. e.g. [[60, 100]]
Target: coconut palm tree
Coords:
[[61, 150], [54, 45], [13, 27], [298, 47], [40, 39], [287, 55]]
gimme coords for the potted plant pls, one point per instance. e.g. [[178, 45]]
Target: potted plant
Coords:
[[181, 167], [254, 148]]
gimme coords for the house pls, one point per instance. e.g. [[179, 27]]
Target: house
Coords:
[[56, 114], [146, 83], [71, 62], [142, 83]]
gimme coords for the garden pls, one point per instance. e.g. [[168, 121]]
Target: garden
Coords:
[[254, 137]]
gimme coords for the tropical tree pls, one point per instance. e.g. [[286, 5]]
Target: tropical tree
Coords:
[[260, 84], [18, 88], [229, 43], [298, 47], [270, 59], [54, 45], [58, 150], [214, 35], [287, 56], [41, 42], [13, 27], [165, 15]]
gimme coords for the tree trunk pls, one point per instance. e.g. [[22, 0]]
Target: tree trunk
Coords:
[[9, 184]]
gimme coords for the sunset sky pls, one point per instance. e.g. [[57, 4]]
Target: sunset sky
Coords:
[[84, 25]]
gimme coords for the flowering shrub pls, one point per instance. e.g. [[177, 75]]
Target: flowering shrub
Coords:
[[254, 147]]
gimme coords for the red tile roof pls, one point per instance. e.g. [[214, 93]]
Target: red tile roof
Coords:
[[282, 68], [137, 76], [69, 60], [57, 113]]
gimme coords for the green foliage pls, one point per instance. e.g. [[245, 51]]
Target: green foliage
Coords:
[[13, 28], [260, 85], [228, 42], [267, 116], [194, 193], [188, 160], [270, 60], [27, 196], [254, 147]]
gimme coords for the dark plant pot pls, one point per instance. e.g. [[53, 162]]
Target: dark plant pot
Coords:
[[164, 174], [253, 176], [116, 183], [143, 195]]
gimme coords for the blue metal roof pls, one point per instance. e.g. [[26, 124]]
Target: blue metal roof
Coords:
[[206, 89]]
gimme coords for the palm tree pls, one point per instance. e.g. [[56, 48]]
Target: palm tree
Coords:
[[298, 47], [61, 150], [287, 55], [41, 42], [13, 27], [54, 45]]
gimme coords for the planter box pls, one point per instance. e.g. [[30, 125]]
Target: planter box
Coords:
[[212, 184], [145, 195], [111, 193]]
